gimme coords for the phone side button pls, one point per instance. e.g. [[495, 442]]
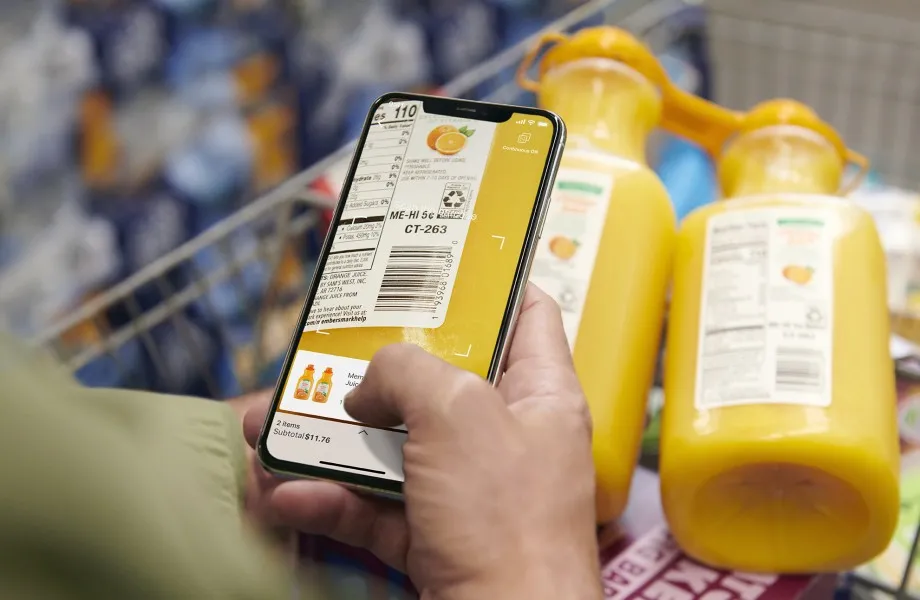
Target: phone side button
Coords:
[[542, 224]]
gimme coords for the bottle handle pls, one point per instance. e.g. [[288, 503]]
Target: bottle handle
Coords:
[[698, 120], [522, 79], [862, 163]]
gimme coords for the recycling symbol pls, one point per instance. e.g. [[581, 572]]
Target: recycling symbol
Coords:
[[814, 315], [454, 199]]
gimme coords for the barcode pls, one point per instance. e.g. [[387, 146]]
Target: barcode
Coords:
[[799, 370], [412, 279]]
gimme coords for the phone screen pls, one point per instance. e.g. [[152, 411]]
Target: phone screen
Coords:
[[424, 250]]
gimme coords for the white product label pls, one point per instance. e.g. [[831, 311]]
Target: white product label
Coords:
[[567, 251], [397, 247], [304, 386], [767, 308]]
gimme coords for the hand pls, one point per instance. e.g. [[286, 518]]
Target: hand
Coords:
[[259, 483], [499, 490]]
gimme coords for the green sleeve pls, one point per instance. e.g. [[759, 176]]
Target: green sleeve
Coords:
[[117, 494]]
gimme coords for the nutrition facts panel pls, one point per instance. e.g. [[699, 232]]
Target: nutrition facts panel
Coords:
[[767, 308], [379, 166]]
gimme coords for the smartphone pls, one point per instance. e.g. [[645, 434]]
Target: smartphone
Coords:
[[431, 243]]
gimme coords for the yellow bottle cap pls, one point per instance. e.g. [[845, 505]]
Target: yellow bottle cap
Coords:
[[783, 111], [591, 42], [686, 115]]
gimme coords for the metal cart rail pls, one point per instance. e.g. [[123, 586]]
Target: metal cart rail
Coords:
[[855, 61]]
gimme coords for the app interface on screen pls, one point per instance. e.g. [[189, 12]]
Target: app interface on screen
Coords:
[[425, 252]]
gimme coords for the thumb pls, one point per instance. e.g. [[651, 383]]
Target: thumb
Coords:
[[406, 385]]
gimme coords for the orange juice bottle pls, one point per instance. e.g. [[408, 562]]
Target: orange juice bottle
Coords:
[[305, 384], [606, 246], [779, 443], [100, 152], [323, 386]]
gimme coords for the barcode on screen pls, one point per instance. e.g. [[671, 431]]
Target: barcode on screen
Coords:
[[799, 369], [412, 279]]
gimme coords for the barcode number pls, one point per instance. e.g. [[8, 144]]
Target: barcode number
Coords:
[[799, 370], [414, 279]]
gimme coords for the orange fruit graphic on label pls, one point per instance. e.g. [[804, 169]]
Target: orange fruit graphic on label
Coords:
[[450, 142], [438, 132], [563, 247], [798, 274]]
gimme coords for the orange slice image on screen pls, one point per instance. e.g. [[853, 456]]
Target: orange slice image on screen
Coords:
[[438, 132], [798, 274], [450, 143], [563, 247]]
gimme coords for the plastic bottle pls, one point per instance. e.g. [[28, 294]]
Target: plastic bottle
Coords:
[[323, 386], [779, 443], [605, 252], [100, 148], [305, 384]]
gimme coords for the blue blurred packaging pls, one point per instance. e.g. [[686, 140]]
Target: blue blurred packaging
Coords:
[[55, 275], [238, 277], [200, 53], [181, 15], [56, 266], [684, 168], [312, 80], [688, 174], [518, 19], [121, 367], [181, 346], [872, 182], [42, 76], [385, 51], [234, 60], [210, 172], [459, 34], [222, 69], [129, 41], [187, 355], [271, 25], [147, 224]]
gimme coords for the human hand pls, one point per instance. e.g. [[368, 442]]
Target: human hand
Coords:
[[259, 482], [499, 490]]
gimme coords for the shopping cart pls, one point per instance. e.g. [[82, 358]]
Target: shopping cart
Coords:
[[855, 61]]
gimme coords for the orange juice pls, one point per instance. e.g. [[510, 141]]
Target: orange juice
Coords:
[[323, 386], [305, 384], [606, 246], [100, 153], [779, 446]]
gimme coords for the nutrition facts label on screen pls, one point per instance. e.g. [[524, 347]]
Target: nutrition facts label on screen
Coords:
[[372, 190], [397, 245]]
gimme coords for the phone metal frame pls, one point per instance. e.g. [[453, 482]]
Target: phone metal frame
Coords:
[[452, 107]]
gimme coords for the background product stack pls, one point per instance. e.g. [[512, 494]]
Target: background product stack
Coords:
[[130, 127], [155, 232]]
